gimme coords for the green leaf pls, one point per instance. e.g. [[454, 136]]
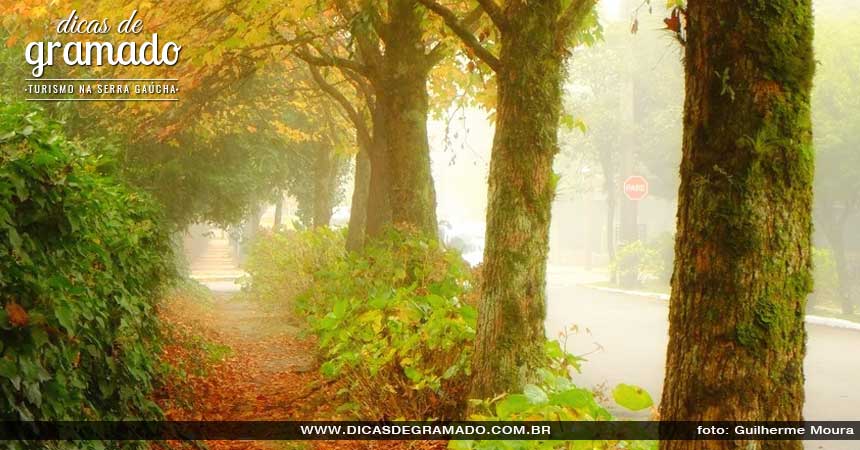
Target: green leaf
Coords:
[[8, 369], [512, 404], [339, 308], [535, 394], [66, 317], [412, 374], [572, 398], [632, 397], [329, 369], [553, 349]]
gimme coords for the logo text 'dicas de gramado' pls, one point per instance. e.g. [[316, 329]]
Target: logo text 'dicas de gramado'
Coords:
[[100, 53]]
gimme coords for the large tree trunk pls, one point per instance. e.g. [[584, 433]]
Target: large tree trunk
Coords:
[[510, 334], [279, 211], [743, 246], [405, 101], [378, 192], [358, 210], [325, 185], [610, 188]]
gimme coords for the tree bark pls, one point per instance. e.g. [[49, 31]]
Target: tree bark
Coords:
[[403, 95], [358, 210], [743, 247], [510, 333], [279, 210], [325, 183], [610, 188], [378, 193]]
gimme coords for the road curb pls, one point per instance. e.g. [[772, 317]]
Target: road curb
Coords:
[[815, 320]]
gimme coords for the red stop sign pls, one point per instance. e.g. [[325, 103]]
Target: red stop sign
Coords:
[[636, 187]]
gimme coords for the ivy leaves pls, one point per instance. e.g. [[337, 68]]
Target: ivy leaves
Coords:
[[83, 262]]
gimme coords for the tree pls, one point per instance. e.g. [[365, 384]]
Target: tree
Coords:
[[626, 75], [533, 39], [743, 246], [836, 113]]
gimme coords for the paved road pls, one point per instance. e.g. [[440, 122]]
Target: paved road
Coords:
[[632, 331]]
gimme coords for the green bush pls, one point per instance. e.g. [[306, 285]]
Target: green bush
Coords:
[[555, 398], [282, 264], [392, 322], [396, 325], [82, 259], [648, 261]]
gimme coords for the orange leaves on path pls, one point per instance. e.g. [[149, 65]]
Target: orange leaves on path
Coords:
[[236, 360]]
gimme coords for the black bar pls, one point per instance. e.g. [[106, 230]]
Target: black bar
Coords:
[[343, 430]]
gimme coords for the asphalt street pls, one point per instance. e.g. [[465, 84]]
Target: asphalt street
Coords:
[[625, 337]]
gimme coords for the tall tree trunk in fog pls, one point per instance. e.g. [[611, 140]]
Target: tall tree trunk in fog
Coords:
[[378, 190], [627, 267], [403, 95], [529, 73], [358, 210], [833, 225], [279, 210], [742, 252], [610, 188], [325, 185], [395, 57]]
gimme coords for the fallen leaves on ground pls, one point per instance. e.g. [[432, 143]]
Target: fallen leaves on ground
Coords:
[[233, 359]]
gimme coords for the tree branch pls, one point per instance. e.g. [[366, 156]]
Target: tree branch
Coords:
[[494, 12], [332, 61], [571, 19], [438, 52], [353, 114], [463, 33]]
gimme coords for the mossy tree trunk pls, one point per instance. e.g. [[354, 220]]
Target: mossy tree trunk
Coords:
[[326, 165], [358, 209], [379, 190], [742, 252], [404, 98], [392, 58], [529, 70], [510, 335]]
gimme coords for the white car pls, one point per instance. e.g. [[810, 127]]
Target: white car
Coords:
[[467, 237]]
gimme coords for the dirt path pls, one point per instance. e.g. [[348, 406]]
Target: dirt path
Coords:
[[246, 361], [239, 362]]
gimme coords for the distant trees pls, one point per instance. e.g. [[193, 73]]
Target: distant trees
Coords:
[[743, 250], [628, 93], [836, 115]]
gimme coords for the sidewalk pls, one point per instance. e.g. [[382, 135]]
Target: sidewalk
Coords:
[[588, 279]]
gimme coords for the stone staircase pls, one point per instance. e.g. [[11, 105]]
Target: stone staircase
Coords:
[[216, 268]]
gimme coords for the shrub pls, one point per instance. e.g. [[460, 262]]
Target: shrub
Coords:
[[392, 323], [81, 260], [555, 398], [647, 261], [282, 264], [396, 325]]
